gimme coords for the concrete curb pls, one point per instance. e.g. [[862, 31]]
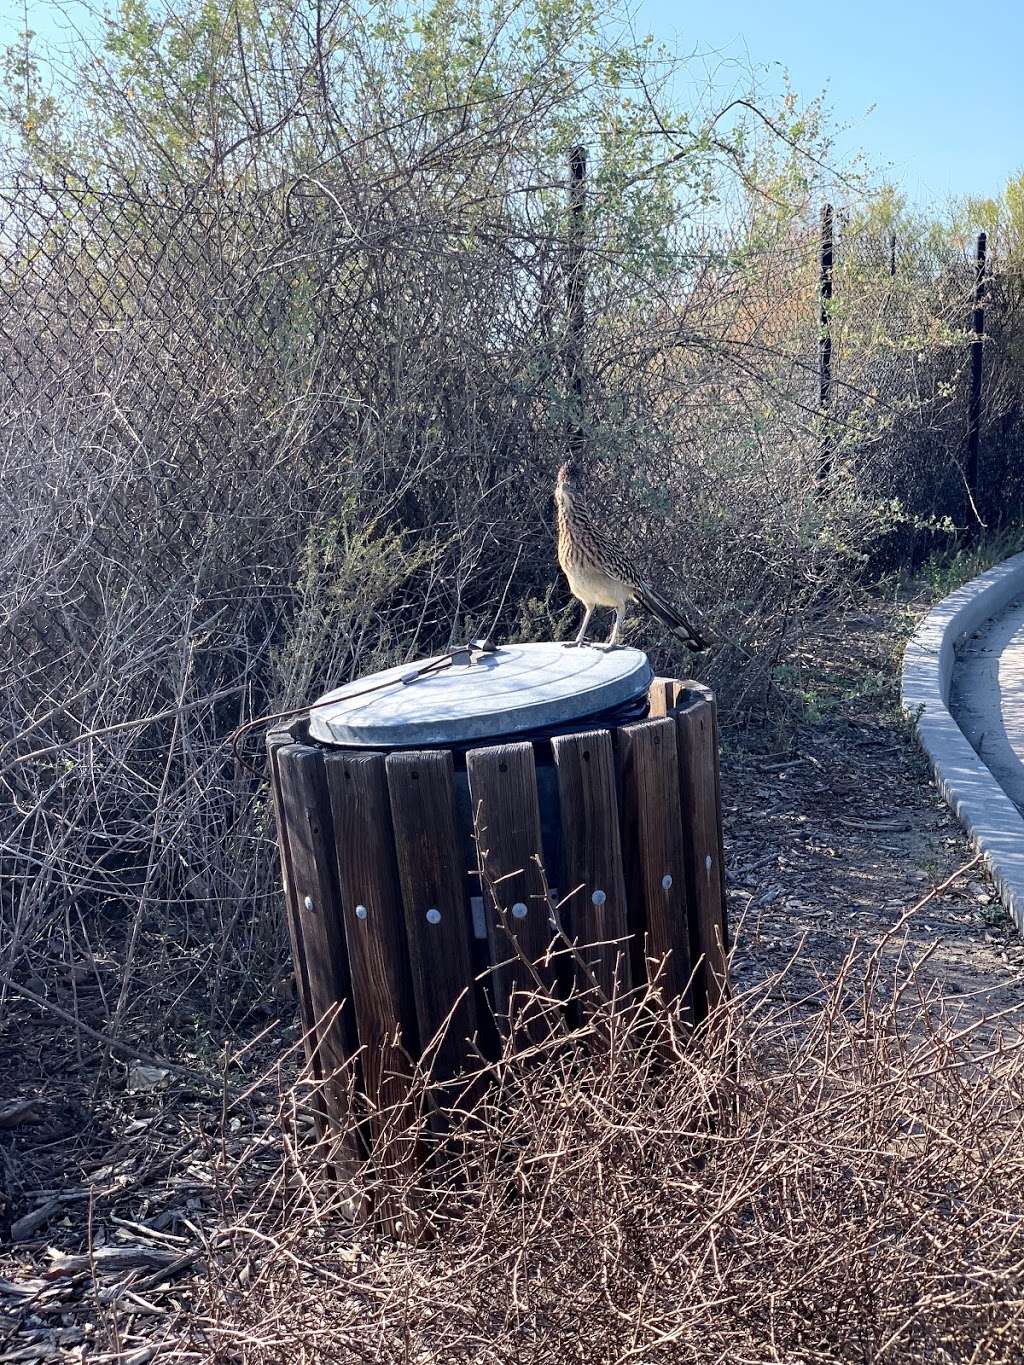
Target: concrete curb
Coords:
[[991, 819]]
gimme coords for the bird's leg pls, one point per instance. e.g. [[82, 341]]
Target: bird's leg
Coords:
[[613, 639], [575, 644]]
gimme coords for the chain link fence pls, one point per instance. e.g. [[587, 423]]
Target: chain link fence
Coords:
[[254, 444], [199, 360]]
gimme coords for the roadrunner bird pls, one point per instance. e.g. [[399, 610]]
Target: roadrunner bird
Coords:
[[600, 574]]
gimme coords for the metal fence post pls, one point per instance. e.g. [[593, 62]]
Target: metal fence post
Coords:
[[825, 343], [575, 297], [971, 473]]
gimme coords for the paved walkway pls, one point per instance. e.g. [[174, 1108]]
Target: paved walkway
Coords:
[[987, 697]]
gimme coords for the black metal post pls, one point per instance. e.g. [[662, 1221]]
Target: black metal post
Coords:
[[576, 297], [974, 409], [825, 343]]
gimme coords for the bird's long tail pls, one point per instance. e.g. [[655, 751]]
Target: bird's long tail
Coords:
[[673, 618]]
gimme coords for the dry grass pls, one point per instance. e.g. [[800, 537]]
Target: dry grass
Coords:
[[849, 1187]]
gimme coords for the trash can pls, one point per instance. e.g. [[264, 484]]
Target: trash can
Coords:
[[449, 828]]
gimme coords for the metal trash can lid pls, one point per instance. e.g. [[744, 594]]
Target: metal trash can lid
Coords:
[[517, 688]]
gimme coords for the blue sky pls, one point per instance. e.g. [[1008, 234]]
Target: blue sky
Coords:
[[946, 81], [932, 93]]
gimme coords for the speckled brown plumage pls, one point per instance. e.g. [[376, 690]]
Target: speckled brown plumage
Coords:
[[600, 573]]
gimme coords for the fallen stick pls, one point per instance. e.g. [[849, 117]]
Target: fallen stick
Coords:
[[112, 1260], [125, 1050]]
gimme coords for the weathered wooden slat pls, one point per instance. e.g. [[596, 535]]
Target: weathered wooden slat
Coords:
[[276, 740], [695, 733], [653, 843], [685, 691], [661, 697], [420, 787], [506, 821], [717, 748], [591, 874], [306, 811], [374, 924]]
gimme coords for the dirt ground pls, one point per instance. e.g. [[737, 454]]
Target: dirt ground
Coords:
[[108, 1180], [831, 840]]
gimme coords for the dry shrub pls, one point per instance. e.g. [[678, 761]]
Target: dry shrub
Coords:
[[834, 1178]]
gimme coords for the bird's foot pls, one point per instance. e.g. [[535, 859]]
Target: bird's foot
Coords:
[[573, 644]]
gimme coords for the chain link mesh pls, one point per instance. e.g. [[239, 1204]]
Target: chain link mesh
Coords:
[[224, 416]]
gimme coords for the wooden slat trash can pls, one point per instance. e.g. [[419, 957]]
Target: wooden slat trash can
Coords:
[[446, 829]]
